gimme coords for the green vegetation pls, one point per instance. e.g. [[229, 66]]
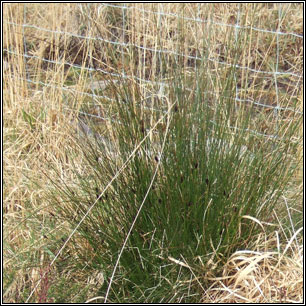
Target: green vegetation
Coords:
[[182, 191]]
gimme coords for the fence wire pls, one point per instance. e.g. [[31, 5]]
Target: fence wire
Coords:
[[150, 31]]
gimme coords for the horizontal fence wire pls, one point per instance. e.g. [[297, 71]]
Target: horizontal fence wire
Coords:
[[124, 42], [200, 20], [237, 99]]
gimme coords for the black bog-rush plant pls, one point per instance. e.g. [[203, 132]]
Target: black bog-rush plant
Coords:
[[214, 180], [212, 183]]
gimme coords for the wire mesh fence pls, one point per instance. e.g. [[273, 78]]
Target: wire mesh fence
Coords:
[[105, 43]]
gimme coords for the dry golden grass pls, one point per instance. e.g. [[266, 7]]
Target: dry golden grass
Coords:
[[251, 278], [37, 132]]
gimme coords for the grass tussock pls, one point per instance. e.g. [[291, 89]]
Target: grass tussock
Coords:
[[158, 162]]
